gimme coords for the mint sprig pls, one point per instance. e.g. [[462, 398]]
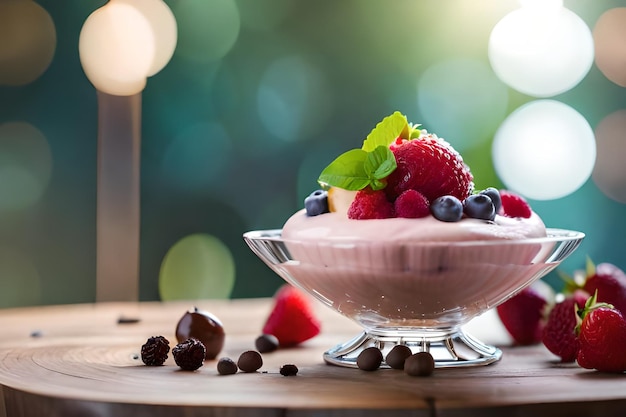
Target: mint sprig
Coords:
[[369, 166], [356, 169]]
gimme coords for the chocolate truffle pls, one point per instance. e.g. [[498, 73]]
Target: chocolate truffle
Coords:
[[419, 364], [396, 356], [369, 359], [266, 343], [226, 366], [250, 361], [203, 326]]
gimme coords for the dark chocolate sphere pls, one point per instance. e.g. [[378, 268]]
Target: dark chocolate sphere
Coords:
[[203, 326]]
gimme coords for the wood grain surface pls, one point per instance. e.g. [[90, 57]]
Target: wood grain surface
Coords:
[[78, 360]]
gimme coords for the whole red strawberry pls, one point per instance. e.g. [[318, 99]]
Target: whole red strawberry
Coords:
[[514, 205], [559, 335], [431, 166], [524, 314], [370, 204], [602, 336], [291, 320], [610, 283]]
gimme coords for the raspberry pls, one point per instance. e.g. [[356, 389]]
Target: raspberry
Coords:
[[431, 166], [370, 204], [154, 351], [514, 205], [412, 205]]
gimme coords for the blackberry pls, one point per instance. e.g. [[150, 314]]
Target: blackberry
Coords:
[[289, 370], [154, 351], [189, 355]]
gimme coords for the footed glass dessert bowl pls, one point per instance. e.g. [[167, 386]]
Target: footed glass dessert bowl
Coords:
[[416, 294]]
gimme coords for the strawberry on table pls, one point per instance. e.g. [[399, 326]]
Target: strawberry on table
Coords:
[[524, 315], [291, 320], [610, 283], [559, 335], [602, 336]]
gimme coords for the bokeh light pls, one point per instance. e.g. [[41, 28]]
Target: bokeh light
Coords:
[[541, 49], [197, 156], [25, 165], [198, 266], [163, 24], [544, 150], [117, 49], [27, 41], [462, 101], [207, 29], [609, 36], [15, 267], [609, 174], [294, 100], [266, 15]]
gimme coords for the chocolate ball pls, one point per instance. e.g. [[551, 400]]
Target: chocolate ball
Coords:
[[250, 361], [266, 343], [369, 359], [226, 366], [396, 356], [203, 326], [419, 364]]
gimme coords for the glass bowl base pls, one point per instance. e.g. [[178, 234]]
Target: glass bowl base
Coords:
[[453, 350]]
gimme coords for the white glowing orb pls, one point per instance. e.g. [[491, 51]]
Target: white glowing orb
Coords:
[[164, 28], [117, 48], [544, 150], [541, 49]]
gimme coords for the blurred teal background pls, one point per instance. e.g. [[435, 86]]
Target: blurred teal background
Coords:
[[259, 96]]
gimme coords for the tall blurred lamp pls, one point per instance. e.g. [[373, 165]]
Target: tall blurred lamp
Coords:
[[122, 44]]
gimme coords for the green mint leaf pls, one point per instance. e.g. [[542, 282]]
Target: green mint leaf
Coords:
[[380, 163], [347, 171], [387, 131]]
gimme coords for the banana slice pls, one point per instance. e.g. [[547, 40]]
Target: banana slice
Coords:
[[339, 200]]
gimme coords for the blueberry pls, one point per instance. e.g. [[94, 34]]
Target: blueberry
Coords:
[[316, 203], [479, 206], [447, 208], [494, 195]]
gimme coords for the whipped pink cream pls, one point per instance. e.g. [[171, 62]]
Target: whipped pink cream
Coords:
[[336, 227], [413, 272]]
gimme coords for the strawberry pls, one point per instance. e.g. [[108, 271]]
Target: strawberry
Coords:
[[370, 204], [431, 166], [559, 334], [524, 314], [610, 283], [602, 336], [411, 204], [291, 320], [514, 205]]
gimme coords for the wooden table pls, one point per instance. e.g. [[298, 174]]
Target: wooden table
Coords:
[[78, 360]]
